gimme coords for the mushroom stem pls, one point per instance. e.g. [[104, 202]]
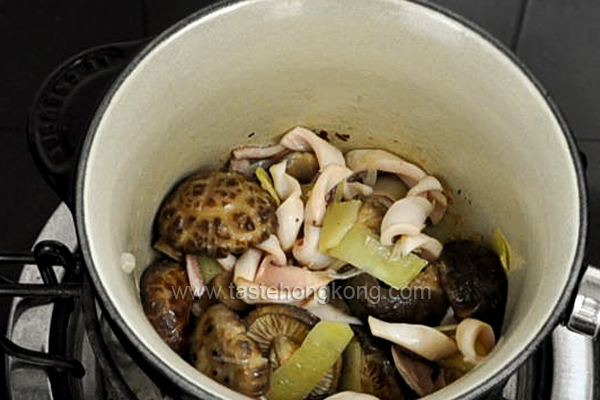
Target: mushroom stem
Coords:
[[422, 340], [474, 337], [430, 248]]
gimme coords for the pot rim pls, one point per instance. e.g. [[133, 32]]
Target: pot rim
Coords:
[[190, 387]]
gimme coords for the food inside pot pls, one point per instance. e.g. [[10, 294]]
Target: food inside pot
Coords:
[[300, 272]]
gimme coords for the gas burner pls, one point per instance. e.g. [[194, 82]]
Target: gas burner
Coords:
[[561, 369]]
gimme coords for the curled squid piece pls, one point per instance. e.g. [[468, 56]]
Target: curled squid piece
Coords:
[[350, 395], [257, 152], [254, 293], [194, 274], [431, 188], [247, 159], [290, 277], [475, 339], [381, 160], [302, 139], [306, 250], [247, 265], [405, 217], [290, 213], [272, 247], [428, 247], [422, 340], [414, 177], [356, 189]]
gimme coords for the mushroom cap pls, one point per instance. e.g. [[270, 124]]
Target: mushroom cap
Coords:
[[474, 281], [218, 214], [169, 314], [222, 350], [423, 301]]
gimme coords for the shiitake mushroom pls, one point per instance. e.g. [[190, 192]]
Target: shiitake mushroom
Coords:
[[378, 375], [423, 301], [474, 281], [216, 214], [279, 331], [302, 165], [164, 302], [222, 350]]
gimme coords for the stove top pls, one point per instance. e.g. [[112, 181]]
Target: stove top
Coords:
[[562, 368]]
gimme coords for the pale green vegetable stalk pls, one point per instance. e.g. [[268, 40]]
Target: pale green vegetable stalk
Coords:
[[299, 374], [362, 249], [501, 248], [209, 267], [339, 219], [352, 367], [267, 184], [339, 191]]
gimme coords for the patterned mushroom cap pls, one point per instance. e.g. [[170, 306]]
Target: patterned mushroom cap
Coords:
[[218, 214]]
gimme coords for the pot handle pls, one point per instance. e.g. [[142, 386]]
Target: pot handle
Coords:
[[573, 345], [64, 107], [585, 316]]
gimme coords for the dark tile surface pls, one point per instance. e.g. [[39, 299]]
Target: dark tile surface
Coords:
[[560, 42], [160, 14], [35, 36], [591, 148]]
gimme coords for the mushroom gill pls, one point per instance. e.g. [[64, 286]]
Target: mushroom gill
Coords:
[[279, 331]]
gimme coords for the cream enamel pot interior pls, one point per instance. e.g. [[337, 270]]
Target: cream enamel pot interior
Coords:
[[392, 74]]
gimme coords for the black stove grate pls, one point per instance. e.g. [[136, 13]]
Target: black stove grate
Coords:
[[73, 291]]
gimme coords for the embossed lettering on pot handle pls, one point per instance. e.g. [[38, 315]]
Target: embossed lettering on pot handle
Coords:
[[64, 107]]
